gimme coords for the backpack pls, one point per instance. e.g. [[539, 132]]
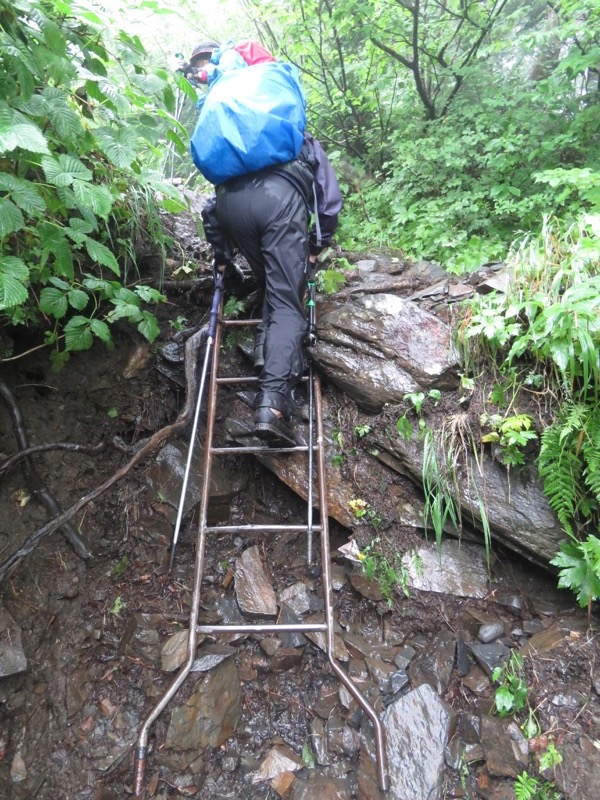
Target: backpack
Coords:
[[252, 118]]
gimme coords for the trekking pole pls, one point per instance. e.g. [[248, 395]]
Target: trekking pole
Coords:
[[212, 327], [311, 340]]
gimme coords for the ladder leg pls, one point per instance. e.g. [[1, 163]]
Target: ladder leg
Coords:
[[382, 772], [142, 742]]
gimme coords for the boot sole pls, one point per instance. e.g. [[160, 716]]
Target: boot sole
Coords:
[[273, 435]]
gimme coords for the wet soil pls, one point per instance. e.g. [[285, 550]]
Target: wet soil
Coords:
[[73, 714]]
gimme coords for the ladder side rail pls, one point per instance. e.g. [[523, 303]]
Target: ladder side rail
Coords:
[[382, 772], [142, 742]]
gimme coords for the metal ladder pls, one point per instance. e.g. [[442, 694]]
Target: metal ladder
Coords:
[[326, 627]]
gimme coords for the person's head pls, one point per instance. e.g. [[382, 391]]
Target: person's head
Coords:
[[201, 53]]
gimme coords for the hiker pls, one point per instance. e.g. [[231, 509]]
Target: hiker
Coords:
[[266, 216]]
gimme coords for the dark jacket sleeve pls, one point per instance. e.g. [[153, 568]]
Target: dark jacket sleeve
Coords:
[[213, 232], [329, 198]]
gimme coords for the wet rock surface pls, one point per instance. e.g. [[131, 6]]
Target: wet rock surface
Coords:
[[264, 716]]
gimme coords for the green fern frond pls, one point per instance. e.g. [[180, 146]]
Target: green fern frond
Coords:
[[561, 471]]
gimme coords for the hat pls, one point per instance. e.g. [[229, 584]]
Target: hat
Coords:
[[202, 50]]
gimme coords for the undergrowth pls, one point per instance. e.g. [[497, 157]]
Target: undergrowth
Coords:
[[542, 336]]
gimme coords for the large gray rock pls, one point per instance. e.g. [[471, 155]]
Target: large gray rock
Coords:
[[518, 513], [376, 348], [417, 728], [211, 713]]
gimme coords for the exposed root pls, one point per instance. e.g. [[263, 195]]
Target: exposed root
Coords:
[[10, 463]]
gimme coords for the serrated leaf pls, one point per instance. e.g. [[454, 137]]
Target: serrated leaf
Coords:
[[78, 299], [118, 145], [96, 198], [113, 93], [62, 171], [123, 310], [102, 255], [53, 301], [26, 80], [149, 295], [78, 335], [106, 288], [148, 327], [23, 193], [12, 273], [101, 330], [54, 244], [12, 292], [65, 122], [11, 218], [60, 284], [25, 135], [11, 265]]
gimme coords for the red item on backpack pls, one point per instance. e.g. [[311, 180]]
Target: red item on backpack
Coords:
[[253, 52]]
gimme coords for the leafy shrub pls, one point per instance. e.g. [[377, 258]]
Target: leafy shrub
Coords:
[[81, 124]]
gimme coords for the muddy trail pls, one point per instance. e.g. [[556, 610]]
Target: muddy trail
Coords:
[[87, 646]]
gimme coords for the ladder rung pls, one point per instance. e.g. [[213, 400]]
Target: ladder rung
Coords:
[[261, 528], [301, 627], [245, 379], [235, 381], [238, 323], [225, 451]]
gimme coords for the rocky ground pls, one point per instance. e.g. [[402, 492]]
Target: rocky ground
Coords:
[[87, 647]]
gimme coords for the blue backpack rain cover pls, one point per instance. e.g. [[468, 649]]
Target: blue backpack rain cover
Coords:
[[252, 118]]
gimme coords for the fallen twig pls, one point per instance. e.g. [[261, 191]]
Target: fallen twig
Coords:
[[156, 440]]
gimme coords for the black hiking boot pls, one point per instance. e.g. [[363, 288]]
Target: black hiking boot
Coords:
[[272, 429]]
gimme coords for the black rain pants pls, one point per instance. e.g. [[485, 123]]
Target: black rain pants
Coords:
[[266, 218]]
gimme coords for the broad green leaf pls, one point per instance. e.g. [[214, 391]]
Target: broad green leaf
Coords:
[[12, 292], [180, 145], [11, 218], [96, 198], [60, 283], [185, 86], [504, 700], [11, 265], [26, 135], [123, 310], [26, 80], [78, 335], [53, 301], [23, 193], [62, 171], [78, 299], [106, 288], [66, 122], [149, 295], [101, 330], [172, 205], [118, 145], [112, 92], [102, 255], [148, 327], [56, 246]]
